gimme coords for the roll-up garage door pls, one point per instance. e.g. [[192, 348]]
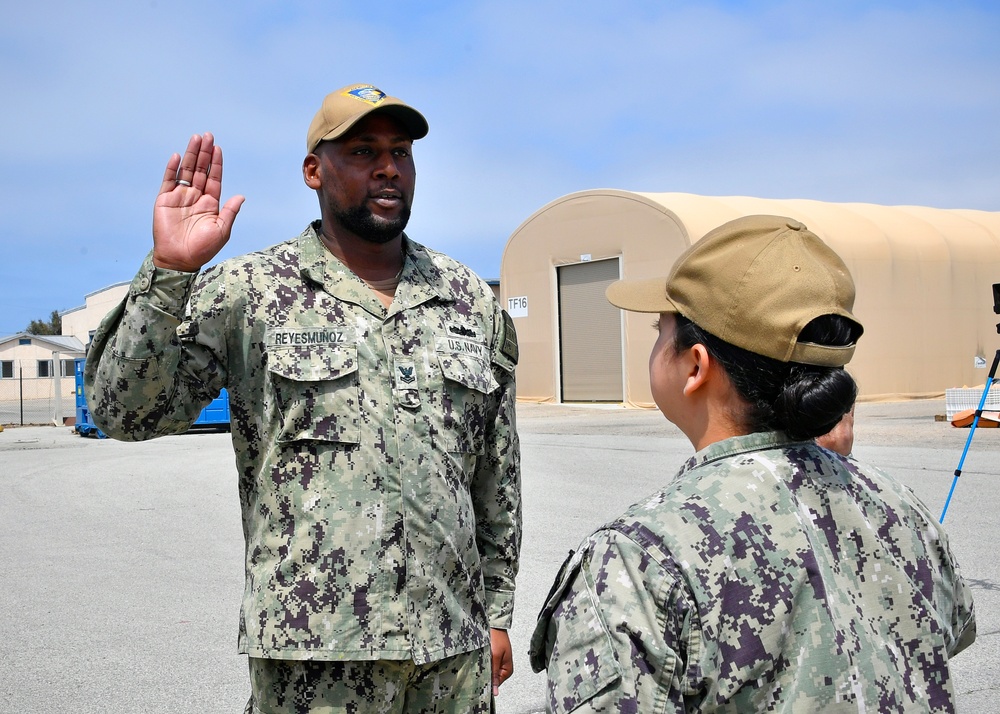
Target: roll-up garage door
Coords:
[[590, 333]]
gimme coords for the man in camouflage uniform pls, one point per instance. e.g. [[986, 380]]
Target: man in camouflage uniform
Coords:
[[771, 574], [371, 387]]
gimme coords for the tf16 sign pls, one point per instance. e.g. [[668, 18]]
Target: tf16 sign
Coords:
[[517, 306]]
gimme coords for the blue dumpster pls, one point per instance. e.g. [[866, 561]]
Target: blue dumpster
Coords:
[[215, 415], [84, 424]]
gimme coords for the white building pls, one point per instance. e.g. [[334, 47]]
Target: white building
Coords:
[[81, 322], [37, 373], [36, 367]]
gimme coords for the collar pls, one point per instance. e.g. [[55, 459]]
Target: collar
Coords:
[[421, 281], [736, 445]]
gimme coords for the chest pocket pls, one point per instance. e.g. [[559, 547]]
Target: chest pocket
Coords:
[[317, 392], [468, 384]]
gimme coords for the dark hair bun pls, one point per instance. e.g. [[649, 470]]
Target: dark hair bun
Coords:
[[813, 400]]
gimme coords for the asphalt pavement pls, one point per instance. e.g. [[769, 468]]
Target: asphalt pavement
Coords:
[[123, 562]]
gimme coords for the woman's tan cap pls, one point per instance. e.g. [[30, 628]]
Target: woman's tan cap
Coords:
[[342, 109], [755, 283]]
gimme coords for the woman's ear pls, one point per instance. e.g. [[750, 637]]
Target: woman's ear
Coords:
[[311, 171], [699, 369]]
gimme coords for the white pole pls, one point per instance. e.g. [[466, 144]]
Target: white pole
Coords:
[[57, 382]]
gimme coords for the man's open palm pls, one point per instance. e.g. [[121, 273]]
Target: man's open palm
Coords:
[[189, 228]]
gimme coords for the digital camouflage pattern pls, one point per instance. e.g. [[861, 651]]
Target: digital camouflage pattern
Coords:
[[456, 685], [768, 576], [377, 453]]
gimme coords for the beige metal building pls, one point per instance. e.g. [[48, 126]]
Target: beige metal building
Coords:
[[923, 277]]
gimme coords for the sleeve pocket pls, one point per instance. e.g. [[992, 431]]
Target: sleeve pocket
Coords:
[[572, 642]]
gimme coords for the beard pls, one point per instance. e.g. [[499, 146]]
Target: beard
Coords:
[[360, 221]]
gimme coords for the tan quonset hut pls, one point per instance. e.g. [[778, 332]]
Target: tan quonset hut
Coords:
[[923, 277]]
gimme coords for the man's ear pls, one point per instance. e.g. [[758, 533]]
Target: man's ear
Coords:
[[311, 171], [699, 369]]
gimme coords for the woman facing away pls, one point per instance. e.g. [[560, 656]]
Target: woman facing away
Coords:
[[771, 574]]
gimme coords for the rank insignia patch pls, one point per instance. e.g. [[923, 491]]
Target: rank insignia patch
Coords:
[[405, 372]]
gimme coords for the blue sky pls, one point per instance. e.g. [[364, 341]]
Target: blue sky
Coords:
[[881, 102]]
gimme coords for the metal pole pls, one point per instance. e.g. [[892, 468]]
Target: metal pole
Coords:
[[20, 384]]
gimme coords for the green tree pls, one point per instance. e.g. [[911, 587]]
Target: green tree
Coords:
[[40, 327]]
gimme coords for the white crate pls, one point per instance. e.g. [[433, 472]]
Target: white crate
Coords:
[[962, 398]]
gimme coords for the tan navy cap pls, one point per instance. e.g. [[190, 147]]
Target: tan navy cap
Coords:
[[755, 283], [344, 108]]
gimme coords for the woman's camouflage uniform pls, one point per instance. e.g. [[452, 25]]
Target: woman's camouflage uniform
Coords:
[[769, 576], [377, 452]]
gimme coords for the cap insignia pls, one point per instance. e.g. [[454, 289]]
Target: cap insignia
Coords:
[[366, 93]]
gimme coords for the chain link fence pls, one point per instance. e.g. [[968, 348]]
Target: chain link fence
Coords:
[[27, 400]]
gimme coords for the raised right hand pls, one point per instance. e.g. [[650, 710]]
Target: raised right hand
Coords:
[[189, 228]]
